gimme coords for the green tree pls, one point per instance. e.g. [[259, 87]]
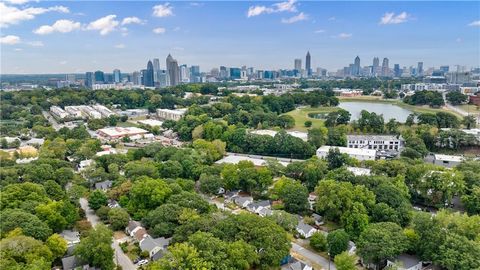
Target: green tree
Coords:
[[335, 158], [355, 220], [318, 241], [457, 252], [57, 245], [30, 224], [96, 248], [380, 241], [337, 242], [345, 261], [23, 252], [317, 136], [456, 98], [118, 218], [97, 199], [285, 220], [181, 256], [307, 123], [147, 194]]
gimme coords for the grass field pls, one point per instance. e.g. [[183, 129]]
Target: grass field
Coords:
[[469, 108], [301, 114]]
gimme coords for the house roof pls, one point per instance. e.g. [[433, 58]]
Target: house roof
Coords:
[[132, 224], [148, 243], [140, 234], [258, 204], [375, 137], [242, 200], [103, 185], [305, 228], [70, 236], [71, 262], [407, 260], [265, 212], [317, 217]]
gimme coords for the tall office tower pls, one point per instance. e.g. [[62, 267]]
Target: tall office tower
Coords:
[[235, 73], [308, 64], [223, 72], [445, 69], [356, 66], [396, 70], [148, 75], [156, 70], [215, 72], [375, 66], [89, 79], [143, 74], [184, 74], [99, 76], [385, 68], [117, 76], [136, 78], [195, 74], [298, 64], [172, 71], [163, 78], [420, 69]]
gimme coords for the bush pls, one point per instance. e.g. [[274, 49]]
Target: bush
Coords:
[[337, 242], [318, 242], [308, 123]]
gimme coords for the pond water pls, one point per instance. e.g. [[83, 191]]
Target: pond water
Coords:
[[388, 110]]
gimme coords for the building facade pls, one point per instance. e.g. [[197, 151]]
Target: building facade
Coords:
[[375, 142]]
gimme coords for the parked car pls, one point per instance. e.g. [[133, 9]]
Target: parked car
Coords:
[[137, 260], [142, 262]]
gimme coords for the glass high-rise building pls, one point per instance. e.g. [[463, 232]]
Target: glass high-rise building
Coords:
[[356, 66], [117, 76], [148, 75], [172, 70], [385, 68], [99, 76], [89, 79], [298, 64], [235, 73], [308, 64]]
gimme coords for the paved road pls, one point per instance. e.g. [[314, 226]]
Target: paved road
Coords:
[[119, 257], [312, 257], [458, 110]]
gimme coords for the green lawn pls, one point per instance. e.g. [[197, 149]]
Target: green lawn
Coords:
[[301, 115], [469, 108]]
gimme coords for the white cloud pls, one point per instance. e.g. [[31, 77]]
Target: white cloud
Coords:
[[258, 10], [105, 24], [159, 30], [319, 31], [178, 48], [297, 18], [343, 36], [18, 49], [35, 43], [61, 26], [475, 23], [9, 40], [164, 10], [11, 15], [391, 18], [288, 6], [120, 46], [132, 20], [196, 4]]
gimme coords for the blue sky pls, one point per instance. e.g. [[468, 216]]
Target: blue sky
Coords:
[[67, 36]]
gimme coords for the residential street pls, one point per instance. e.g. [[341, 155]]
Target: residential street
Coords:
[[119, 257], [312, 257]]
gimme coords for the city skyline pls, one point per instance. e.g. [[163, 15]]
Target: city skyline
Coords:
[[71, 37]]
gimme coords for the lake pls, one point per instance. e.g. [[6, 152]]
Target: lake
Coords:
[[388, 110]]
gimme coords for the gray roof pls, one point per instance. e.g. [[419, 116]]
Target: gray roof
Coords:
[[265, 212], [242, 200], [302, 226], [317, 217], [132, 224], [104, 185], [70, 236], [297, 266], [407, 261], [71, 262], [148, 243], [255, 205]]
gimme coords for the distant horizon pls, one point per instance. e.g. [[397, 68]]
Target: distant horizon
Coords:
[[65, 37]]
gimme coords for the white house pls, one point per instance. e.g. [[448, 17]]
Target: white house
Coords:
[[406, 262], [357, 153], [376, 142], [154, 246], [168, 114], [447, 160], [305, 230]]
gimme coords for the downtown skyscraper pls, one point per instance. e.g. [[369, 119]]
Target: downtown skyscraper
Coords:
[[308, 64], [172, 70], [148, 79]]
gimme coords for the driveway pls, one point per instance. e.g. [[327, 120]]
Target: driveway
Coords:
[[311, 257], [119, 257]]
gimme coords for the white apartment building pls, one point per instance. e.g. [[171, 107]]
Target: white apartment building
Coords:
[[375, 142], [104, 111], [360, 154], [59, 112], [168, 114]]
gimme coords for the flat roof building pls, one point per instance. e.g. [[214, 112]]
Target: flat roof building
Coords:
[[376, 142], [168, 114], [360, 154], [447, 160], [120, 132]]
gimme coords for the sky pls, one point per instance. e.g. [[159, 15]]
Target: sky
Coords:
[[39, 37]]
